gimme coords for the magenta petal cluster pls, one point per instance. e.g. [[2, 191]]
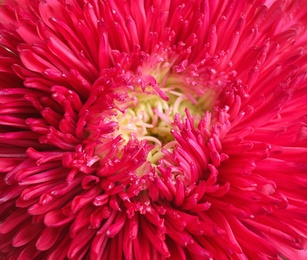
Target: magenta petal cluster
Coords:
[[153, 129]]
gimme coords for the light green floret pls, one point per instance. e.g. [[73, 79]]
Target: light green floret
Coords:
[[151, 118]]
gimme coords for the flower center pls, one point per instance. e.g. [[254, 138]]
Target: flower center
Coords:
[[151, 117]]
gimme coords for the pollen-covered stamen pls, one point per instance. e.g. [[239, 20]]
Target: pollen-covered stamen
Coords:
[[151, 117]]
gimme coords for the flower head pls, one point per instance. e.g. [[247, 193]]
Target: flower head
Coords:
[[153, 129]]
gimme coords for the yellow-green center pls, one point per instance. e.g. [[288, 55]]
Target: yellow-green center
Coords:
[[151, 118]]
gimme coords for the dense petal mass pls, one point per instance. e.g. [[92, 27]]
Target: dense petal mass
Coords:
[[153, 129]]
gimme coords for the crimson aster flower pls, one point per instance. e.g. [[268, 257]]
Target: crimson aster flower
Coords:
[[153, 129]]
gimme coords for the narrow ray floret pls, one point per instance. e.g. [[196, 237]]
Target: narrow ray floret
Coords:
[[153, 129]]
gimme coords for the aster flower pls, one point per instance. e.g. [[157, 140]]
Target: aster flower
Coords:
[[153, 129]]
